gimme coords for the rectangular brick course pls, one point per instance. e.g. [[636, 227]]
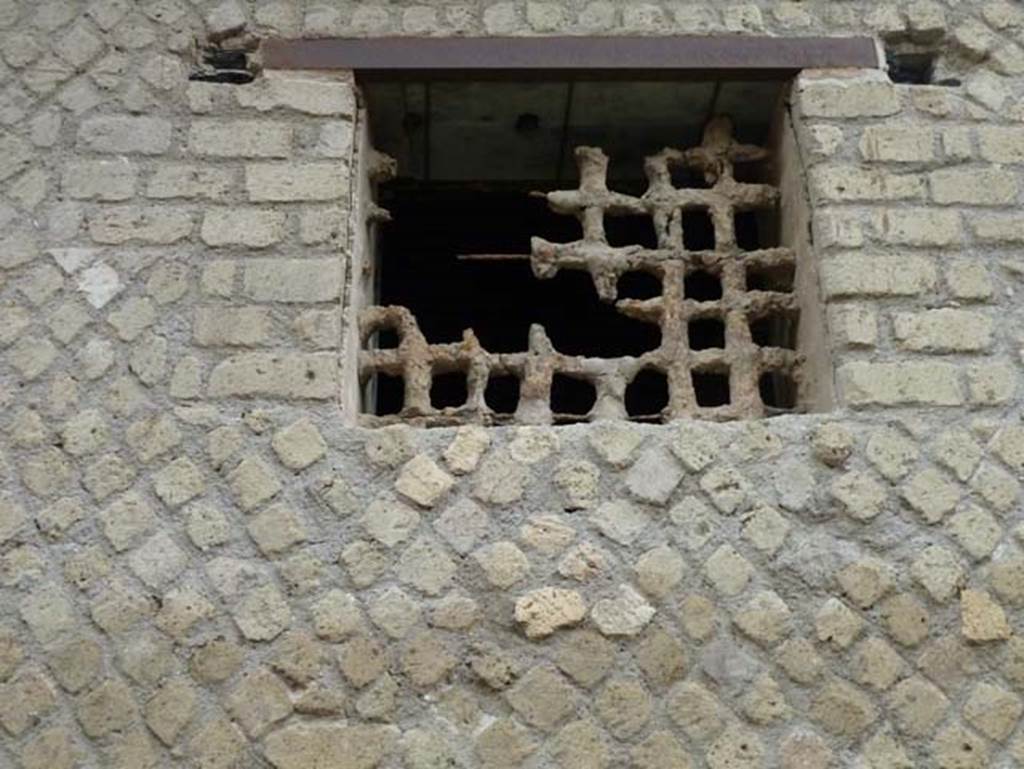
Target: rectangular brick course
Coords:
[[992, 383], [868, 95], [904, 383], [849, 183], [985, 186], [218, 278], [126, 135], [290, 182], [998, 228], [999, 144], [921, 227], [292, 280], [236, 226], [190, 181], [851, 275], [945, 330], [854, 325], [838, 227], [957, 144], [276, 375], [904, 143], [968, 279], [322, 225], [290, 91], [148, 224], [231, 326], [109, 180], [240, 138]]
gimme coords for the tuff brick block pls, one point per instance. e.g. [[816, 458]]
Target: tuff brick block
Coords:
[[218, 278], [956, 144], [992, 383], [823, 141], [853, 275], [921, 227], [999, 144], [15, 156], [932, 100], [904, 383], [189, 181], [967, 279], [988, 186], [290, 182], [240, 138], [99, 180], [845, 183], [926, 17], [853, 325], [308, 96], [148, 224], [276, 375], [79, 45], [904, 143], [235, 226], [945, 330], [838, 228], [998, 228], [292, 280], [126, 135], [238, 326], [867, 94], [323, 225]]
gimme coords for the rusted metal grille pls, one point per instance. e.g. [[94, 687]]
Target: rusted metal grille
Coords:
[[752, 292]]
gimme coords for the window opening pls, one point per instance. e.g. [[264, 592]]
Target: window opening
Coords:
[[571, 398], [702, 286], [711, 388], [754, 231], [448, 390], [649, 298], [778, 391], [639, 285], [499, 299], [683, 177], [777, 330], [771, 277], [388, 393], [225, 64], [920, 59], [385, 339], [911, 67], [706, 333], [698, 230], [631, 231], [647, 396], [502, 394]]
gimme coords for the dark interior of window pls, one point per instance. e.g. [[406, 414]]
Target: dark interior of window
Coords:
[[911, 67], [916, 62], [420, 268], [469, 155]]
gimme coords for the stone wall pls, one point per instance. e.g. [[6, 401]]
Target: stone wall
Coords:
[[201, 565]]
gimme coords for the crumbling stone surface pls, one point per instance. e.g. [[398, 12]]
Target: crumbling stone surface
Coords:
[[203, 563]]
